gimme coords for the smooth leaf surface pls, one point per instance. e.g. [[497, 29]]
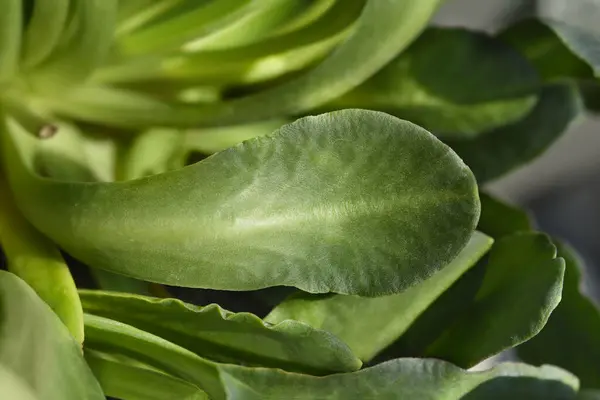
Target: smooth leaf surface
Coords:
[[368, 325], [495, 306], [501, 150], [398, 379], [220, 335], [302, 207], [36, 260], [10, 39], [571, 338], [128, 379], [588, 395], [500, 219], [453, 82], [37, 350]]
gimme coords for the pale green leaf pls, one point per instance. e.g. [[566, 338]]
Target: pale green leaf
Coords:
[[37, 350], [398, 379], [128, 379], [368, 325], [37, 261], [571, 338], [453, 82], [10, 39], [220, 335], [354, 202]]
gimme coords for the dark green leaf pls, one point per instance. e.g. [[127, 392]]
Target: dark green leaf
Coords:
[[398, 379], [453, 82], [589, 395], [502, 303], [571, 338], [501, 219], [354, 202], [220, 335], [368, 325], [501, 150], [38, 356]]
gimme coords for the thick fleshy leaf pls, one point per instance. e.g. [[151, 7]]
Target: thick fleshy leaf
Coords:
[[10, 39], [36, 260], [44, 30], [302, 207], [37, 350], [453, 82], [503, 149], [368, 325], [571, 338], [495, 306], [500, 219], [128, 379], [220, 335], [398, 379]]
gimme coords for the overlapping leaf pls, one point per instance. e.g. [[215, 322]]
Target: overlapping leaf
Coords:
[[368, 325], [494, 306], [39, 359], [220, 335], [354, 202], [453, 82], [571, 338], [403, 378]]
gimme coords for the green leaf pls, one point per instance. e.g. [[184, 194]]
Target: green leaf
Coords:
[[571, 338], [10, 39], [128, 379], [546, 50], [589, 395], [38, 356], [398, 379], [501, 150], [84, 44], [36, 260], [495, 306], [44, 30], [368, 325], [301, 207], [501, 219], [220, 335], [497, 85]]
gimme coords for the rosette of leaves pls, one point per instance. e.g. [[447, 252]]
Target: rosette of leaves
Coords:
[[310, 180]]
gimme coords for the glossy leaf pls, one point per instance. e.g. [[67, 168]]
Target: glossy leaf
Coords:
[[571, 338], [495, 306], [220, 335], [257, 215], [398, 379], [453, 82], [501, 150], [368, 325], [500, 219], [128, 379], [38, 356], [36, 260]]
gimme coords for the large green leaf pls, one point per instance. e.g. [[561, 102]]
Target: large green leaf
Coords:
[[398, 379], [495, 306], [354, 202], [503, 149], [589, 395], [220, 335], [453, 82], [571, 338], [368, 325], [10, 40], [129, 379], [38, 262], [38, 356]]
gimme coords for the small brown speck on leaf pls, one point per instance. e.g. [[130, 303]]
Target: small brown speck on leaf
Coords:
[[47, 131]]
